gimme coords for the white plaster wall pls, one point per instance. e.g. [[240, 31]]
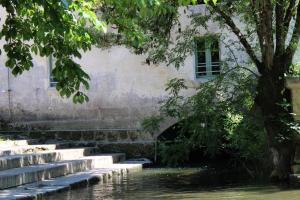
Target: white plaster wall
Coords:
[[123, 89]]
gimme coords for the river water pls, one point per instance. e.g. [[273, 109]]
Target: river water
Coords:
[[177, 184]]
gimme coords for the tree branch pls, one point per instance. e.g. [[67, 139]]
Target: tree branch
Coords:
[[284, 14], [237, 63], [293, 45], [250, 51], [280, 28], [289, 13], [258, 25], [265, 9]]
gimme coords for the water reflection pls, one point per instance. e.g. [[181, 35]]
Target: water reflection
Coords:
[[171, 184]]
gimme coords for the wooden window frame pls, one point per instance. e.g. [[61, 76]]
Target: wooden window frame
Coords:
[[208, 57]]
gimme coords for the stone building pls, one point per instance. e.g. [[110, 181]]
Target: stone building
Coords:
[[124, 89]]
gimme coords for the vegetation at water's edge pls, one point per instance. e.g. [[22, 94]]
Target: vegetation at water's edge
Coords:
[[220, 123]]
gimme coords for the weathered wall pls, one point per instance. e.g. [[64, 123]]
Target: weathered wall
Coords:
[[123, 91], [123, 88]]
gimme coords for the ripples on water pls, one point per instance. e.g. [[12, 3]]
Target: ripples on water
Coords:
[[177, 184]]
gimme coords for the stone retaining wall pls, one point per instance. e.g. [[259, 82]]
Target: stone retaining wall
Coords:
[[134, 143], [103, 136]]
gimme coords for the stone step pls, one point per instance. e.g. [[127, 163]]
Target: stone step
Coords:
[[12, 143], [73, 181], [6, 151], [16, 161], [109, 158], [34, 173]]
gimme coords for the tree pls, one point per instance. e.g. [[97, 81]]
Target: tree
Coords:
[[50, 28], [270, 38], [276, 25]]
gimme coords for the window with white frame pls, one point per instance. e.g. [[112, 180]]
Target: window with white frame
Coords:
[[207, 56], [52, 79]]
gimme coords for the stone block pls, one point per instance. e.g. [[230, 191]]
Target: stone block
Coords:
[[100, 136], [124, 136], [133, 135], [63, 135], [25, 149], [146, 136], [132, 150], [15, 177], [17, 161], [35, 135], [76, 135], [87, 135], [113, 136]]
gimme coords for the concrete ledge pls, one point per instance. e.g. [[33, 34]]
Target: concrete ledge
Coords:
[[16, 161], [48, 187], [11, 143], [116, 157], [135, 143], [35, 173], [99, 135], [26, 149]]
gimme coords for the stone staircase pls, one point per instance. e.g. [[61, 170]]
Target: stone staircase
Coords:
[[30, 171]]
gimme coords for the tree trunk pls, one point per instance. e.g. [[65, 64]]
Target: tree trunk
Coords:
[[269, 98]]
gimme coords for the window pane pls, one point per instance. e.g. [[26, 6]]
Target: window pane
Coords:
[[201, 57], [200, 45], [201, 74], [201, 69], [52, 80], [207, 56], [215, 56], [214, 45], [215, 68]]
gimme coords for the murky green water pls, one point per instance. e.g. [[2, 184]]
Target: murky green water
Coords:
[[176, 184]]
